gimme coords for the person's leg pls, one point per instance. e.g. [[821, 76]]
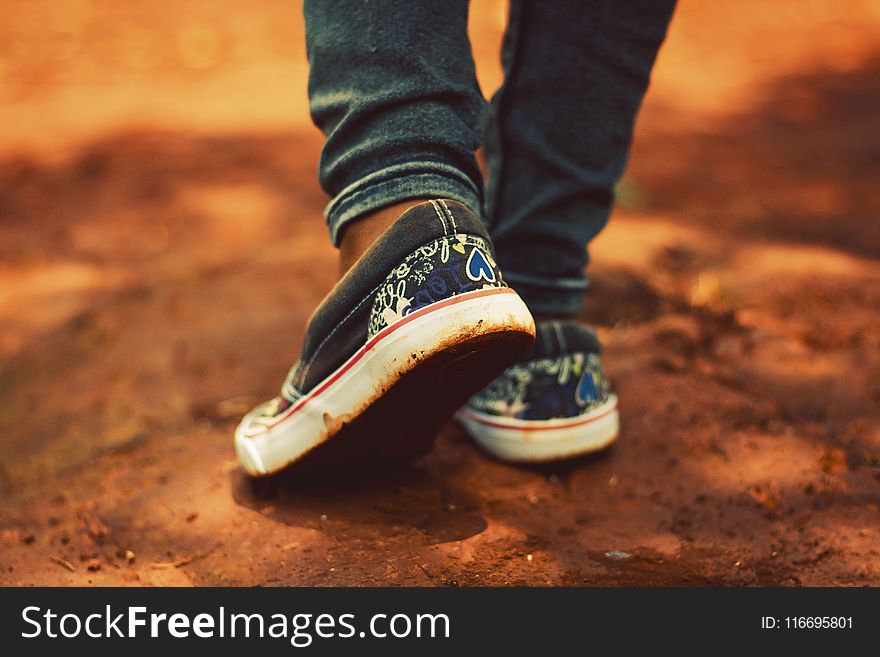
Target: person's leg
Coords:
[[559, 134], [575, 74], [421, 317], [393, 87]]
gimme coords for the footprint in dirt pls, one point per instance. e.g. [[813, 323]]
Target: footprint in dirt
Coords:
[[393, 503]]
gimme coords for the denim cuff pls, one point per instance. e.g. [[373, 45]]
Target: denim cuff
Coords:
[[396, 184], [555, 297]]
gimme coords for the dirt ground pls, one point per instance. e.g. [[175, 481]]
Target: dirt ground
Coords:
[[161, 246]]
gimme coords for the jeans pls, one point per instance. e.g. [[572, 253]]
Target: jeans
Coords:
[[392, 85]]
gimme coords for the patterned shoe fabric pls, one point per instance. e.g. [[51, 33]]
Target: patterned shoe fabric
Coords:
[[426, 302], [446, 267], [555, 403]]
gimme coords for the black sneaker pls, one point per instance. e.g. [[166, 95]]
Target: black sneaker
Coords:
[[419, 324], [555, 403]]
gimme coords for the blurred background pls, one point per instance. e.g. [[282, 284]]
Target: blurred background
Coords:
[[162, 245]]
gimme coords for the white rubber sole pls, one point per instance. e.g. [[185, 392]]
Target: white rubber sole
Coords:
[[522, 441], [373, 370]]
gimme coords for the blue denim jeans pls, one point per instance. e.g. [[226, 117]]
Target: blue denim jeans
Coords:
[[393, 87]]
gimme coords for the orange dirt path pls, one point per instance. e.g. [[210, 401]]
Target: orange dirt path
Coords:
[[161, 247]]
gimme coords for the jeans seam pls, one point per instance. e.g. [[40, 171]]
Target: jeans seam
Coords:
[[514, 27]]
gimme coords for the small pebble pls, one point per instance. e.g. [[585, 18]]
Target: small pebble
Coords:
[[617, 554]]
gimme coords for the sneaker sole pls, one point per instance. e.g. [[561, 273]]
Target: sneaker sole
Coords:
[[388, 401], [535, 441]]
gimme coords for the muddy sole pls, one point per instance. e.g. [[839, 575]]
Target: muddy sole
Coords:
[[402, 424], [386, 404]]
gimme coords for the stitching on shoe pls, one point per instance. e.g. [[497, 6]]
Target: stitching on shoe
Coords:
[[441, 217], [308, 364], [292, 375], [544, 339], [558, 330], [450, 215]]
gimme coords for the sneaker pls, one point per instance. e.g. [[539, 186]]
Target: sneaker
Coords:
[[419, 324], [554, 404]]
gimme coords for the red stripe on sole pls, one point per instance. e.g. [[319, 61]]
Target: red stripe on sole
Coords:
[[502, 425]]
